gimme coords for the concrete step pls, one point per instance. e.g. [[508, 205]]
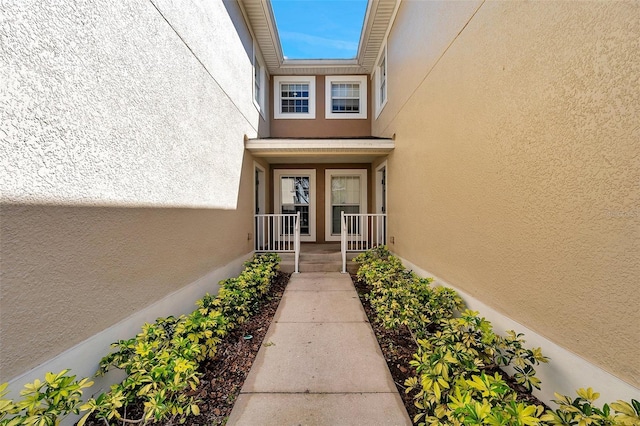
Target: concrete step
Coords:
[[334, 266], [314, 257], [318, 257]]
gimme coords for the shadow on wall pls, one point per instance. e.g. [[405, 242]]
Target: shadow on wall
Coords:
[[69, 272], [241, 28]]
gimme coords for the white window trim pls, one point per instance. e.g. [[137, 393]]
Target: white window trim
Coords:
[[277, 174], [328, 235], [361, 80], [277, 81], [378, 73], [260, 103]]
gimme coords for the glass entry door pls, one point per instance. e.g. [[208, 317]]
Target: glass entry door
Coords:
[[294, 198], [346, 191], [295, 192], [345, 197]]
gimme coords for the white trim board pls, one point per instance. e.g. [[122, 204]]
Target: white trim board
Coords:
[[565, 373], [277, 206], [83, 359], [263, 81], [377, 81], [294, 79], [361, 81], [328, 206]]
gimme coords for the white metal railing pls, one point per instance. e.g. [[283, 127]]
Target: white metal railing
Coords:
[[361, 232], [278, 233]]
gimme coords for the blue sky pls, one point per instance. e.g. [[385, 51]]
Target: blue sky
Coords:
[[319, 29]]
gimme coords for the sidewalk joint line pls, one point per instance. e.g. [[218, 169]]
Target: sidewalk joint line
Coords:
[[323, 322], [321, 393]]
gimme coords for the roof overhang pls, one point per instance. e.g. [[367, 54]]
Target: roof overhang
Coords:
[[378, 17], [359, 150]]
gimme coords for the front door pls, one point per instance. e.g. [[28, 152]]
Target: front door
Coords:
[[295, 191], [345, 191]]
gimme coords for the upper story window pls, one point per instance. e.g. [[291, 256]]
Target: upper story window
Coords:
[[346, 96], [381, 81], [259, 84], [294, 97]]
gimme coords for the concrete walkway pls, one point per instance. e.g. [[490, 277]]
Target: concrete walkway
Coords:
[[320, 363]]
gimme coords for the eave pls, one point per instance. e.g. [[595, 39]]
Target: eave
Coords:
[[342, 150], [260, 19]]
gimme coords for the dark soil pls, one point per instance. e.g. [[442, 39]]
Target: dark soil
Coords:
[[223, 377], [398, 348]]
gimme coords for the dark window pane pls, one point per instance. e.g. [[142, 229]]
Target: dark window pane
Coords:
[[345, 105], [335, 228], [287, 226]]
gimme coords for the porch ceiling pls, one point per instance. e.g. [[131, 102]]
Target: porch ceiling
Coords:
[[360, 150]]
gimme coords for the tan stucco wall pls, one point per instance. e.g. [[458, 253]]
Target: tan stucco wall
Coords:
[[320, 188], [320, 127], [70, 272], [516, 173]]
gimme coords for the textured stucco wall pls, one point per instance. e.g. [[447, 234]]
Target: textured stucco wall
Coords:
[[516, 173], [69, 272], [124, 103], [124, 175]]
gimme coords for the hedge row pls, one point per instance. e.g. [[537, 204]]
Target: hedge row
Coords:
[[456, 381], [161, 362]]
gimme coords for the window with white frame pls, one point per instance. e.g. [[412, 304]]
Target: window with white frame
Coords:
[[346, 97], [294, 97], [381, 81], [259, 80]]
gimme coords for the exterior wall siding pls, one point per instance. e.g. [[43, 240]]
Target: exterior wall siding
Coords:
[[125, 104], [122, 154], [70, 272], [320, 127], [515, 173]]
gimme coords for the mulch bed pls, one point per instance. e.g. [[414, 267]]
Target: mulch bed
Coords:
[[398, 348], [223, 377]]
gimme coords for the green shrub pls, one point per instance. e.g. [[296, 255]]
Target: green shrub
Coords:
[[400, 297], [162, 361], [239, 298], [582, 411], [485, 399], [160, 365], [44, 403], [456, 348]]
